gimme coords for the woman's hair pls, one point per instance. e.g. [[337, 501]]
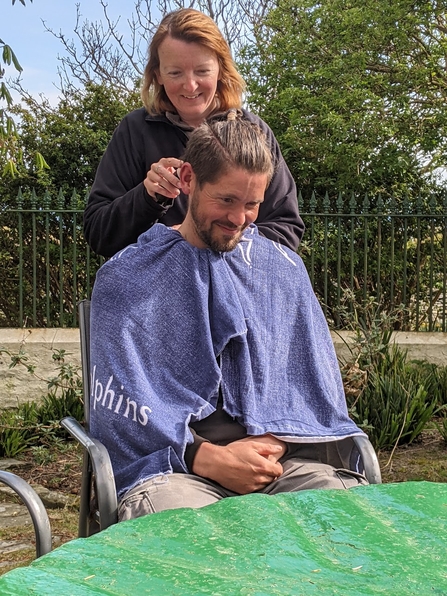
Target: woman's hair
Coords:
[[220, 144], [191, 26]]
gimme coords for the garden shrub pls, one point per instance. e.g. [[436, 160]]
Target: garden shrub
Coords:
[[34, 423]]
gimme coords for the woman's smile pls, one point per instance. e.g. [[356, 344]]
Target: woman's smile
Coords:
[[189, 73]]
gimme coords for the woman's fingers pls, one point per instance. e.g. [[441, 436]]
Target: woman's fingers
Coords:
[[162, 178]]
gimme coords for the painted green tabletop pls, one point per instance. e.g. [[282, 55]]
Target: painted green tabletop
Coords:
[[383, 539]]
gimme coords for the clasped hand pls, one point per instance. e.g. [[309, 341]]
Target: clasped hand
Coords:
[[243, 466]]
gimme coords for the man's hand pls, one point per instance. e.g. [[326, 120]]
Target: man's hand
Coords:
[[270, 440], [243, 466]]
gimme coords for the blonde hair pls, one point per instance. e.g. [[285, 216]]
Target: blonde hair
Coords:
[[191, 26]]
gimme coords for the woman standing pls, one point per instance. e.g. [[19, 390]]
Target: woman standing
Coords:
[[189, 77]]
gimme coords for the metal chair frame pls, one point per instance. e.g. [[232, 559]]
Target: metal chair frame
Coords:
[[98, 506], [36, 509], [98, 501]]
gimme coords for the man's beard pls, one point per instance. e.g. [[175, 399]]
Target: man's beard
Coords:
[[205, 230]]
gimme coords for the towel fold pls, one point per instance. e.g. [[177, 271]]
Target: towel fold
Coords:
[[170, 323]]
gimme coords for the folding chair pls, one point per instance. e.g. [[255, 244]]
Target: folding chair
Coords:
[[97, 477], [36, 509], [98, 501]]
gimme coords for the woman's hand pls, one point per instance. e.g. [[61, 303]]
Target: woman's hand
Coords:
[[161, 178]]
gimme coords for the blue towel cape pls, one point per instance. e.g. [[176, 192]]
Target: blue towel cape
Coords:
[[170, 323]]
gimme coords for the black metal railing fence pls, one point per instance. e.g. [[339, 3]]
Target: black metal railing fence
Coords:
[[363, 249], [357, 250]]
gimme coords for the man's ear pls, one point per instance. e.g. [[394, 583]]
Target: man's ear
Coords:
[[187, 178]]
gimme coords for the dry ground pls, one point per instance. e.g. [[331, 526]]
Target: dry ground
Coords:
[[425, 459], [58, 470]]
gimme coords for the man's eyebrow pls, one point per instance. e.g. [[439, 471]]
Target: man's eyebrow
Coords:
[[228, 195]]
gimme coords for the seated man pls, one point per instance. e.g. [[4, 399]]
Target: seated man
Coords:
[[213, 369]]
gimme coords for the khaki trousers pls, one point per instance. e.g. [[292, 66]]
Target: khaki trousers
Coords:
[[172, 491]]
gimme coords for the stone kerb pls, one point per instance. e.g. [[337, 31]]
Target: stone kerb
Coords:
[[428, 346], [17, 385]]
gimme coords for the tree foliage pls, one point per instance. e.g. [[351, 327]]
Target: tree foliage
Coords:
[[11, 152], [355, 91], [8, 138], [73, 136]]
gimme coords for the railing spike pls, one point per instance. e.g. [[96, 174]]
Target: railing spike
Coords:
[[20, 199], [33, 199], [60, 201]]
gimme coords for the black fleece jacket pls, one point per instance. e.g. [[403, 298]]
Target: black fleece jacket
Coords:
[[119, 208]]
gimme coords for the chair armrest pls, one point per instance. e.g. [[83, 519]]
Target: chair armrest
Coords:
[[102, 470], [41, 523], [369, 458]]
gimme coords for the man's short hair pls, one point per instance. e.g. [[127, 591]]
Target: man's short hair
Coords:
[[220, 144]]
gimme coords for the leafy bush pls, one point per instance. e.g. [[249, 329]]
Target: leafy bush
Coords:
[[389, 397], [17, 431], [434, 378], [441, 425], [395, 404], [34, 424]]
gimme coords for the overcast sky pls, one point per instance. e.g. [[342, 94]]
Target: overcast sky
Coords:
[[21, 27]]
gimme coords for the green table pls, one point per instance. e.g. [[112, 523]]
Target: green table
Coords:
[[383, 539]]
